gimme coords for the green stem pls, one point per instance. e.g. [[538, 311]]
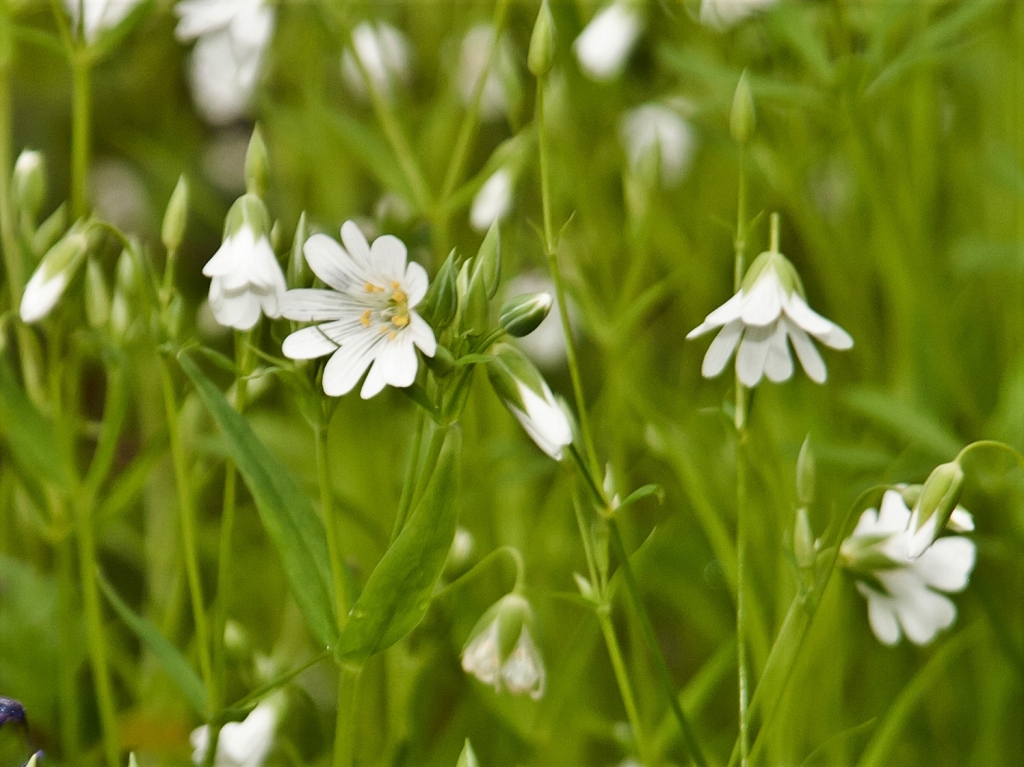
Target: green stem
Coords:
[[80, 107], [330, 523], [69, 633], [409, 483], [741, 569], [94, 632], [344, 727], [188, 528], [611, 641]]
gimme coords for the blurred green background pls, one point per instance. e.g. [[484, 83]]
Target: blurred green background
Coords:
[[890, 138]]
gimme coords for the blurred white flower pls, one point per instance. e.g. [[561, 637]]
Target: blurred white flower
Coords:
[[501, 652], [385, 55], [657, 128], [545, 345], [903, 594], [232, 37], [98, 15], [769, 309], [493, 201], [604, 45], [241, 744], [500, 88], [53, 275], [119, 195], [367, 314], [245, 276], [722, 14]]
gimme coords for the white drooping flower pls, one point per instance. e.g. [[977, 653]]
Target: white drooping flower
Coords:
[[501, 652], [525, 393], [232, 37], [604, 45], [722, 14], [769, 311], [905, 595], [385, 55], [366, 317], [99, 15], [501, 88], [53, 275], [657, 128], [242, 744], [493, 201], [246, 280]]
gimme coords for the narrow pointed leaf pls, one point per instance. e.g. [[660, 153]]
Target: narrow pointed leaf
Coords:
[[29, 434]]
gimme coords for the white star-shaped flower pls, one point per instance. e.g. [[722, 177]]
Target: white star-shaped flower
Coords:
[[99, 15], [241, 744], [904, 595], [767, 313], [604, 45], [657, 128], [722, 14], [366, 317]]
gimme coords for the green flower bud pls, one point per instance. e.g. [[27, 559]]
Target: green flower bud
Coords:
[[805, 473], [441, 301], [442, 363], [256, 165], [542, 43], [175, 217], [473, 309], [248, 210], [97, 295], [523, 314], [55, 272], [487, 265], [296, 261], [467, 758], [911, 495], [132, 761], [939, 497], [29, 183], [803, 540], [743, 117], [50, 230], [460, 554], [863, 557]]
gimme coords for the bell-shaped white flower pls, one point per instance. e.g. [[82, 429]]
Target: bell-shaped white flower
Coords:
[[905, 595], [501, 652], [525, 393], [769, 311], [722, 14], [604, 45], [656, 128], [232, 37], [98, 15], [500, 90], [53, 275], [246, 280], [493, 201], [367, 315], [385, 55], [242, 744]]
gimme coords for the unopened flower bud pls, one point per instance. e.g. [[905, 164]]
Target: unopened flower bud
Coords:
[[467, 758], [473, 309], [523, 314], [173, 230], [97, 295], [542, 43], [743, 117], [33, 761], [53, 275], [297, 261], [911, 494], [441, 301], [805, 473], [487, 265], [803, 540], [939, 498], [29, 183], [500, 651], [237, 642], [256, 165], [460, 555], [48, 232]]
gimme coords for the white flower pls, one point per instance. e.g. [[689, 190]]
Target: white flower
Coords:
[[241, 744], [99, 15], [604, 45], [367, 314], [493, 201], [769, 308], [232, 39], [385, 55], [245, 276], [525, 393], [903, 594], [499, 91], [721, 14], [501, 652], [657, 128], [53, 275]]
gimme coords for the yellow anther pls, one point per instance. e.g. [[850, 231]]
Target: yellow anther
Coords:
[[395, 285], [392, 335], [384, 328], [400, 320], [371, 288], [399, 297], [365, 318]]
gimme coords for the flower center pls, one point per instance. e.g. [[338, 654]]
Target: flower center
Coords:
[[392, 308]]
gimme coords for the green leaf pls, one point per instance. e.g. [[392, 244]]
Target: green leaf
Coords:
[[29, 434], [641, 493], [286, 512], [919, 427], [398, 590], [172, 661]]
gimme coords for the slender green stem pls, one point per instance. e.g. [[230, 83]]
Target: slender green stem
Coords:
[[94, 631], [81, 67], [69, 634], [611, 641], [187, 513], [409, 483], [344, 729], [331, 524]]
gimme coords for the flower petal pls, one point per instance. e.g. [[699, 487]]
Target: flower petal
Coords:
[[332, 263], [723, 315], [308, 344], [924, 613], [347, 365], [422, 334], [763, 305], [823, 329], [389, 255], [881, 616], [894, 515], [750, 359], [947, 564], [316, 305], [808, 354], [227, 259], [415, 283], [355, 244], [721, 349], [778, 366], [238, 309], [395, 364]]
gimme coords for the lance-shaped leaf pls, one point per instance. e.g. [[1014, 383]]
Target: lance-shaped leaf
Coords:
[[284, 509], [29, 434], [398, 590], [172, 661]]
